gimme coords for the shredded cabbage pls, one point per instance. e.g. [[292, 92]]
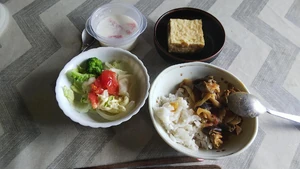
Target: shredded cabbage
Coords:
[[80, 106], [110, 107], [69, 94], [111, 117]]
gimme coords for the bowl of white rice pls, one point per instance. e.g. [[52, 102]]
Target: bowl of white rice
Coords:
[[178, 123]]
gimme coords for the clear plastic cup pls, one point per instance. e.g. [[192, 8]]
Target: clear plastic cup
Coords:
[[110, 9]]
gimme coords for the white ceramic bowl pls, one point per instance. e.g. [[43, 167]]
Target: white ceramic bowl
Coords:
[[166, 83], [105, 54]]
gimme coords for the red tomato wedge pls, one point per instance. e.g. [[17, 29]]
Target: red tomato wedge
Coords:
[[109, 81], [93, 99], [96, 87], [106, 80]]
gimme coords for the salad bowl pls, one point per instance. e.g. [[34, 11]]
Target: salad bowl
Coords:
[[140, 83]]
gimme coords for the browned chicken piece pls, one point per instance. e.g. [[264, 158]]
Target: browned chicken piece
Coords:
[[212, 86], [231, 128], [207, 85], [187, 86], [227, 92], [232, 89], [233, 122], [238, 129], [228, 118], [225, 96], [214, 101], [187, 82], [222, 114], [214, 134], [216, 138], [236, 120], [209, 90], [204, 114], [212, 97], [190, 93], [202, 101]]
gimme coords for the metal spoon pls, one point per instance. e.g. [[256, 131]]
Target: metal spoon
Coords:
[[247, 105], [87, 41]]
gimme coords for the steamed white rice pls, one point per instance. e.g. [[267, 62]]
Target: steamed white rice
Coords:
[[182, 125]]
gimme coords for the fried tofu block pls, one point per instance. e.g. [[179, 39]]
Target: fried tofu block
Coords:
[[185, 36]]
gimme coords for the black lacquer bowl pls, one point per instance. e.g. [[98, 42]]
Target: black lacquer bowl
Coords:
[[214, 35]]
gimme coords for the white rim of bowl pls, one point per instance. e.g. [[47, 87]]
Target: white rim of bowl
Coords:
[[220, 69], [4, 18], [109, 123]]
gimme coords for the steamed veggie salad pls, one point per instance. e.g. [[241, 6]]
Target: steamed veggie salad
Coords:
[[100, 87]]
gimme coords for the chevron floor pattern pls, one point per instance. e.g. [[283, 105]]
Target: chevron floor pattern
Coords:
[[31, 140]]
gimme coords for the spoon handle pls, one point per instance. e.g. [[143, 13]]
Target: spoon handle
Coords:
[[285, 116], [87, 46]]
